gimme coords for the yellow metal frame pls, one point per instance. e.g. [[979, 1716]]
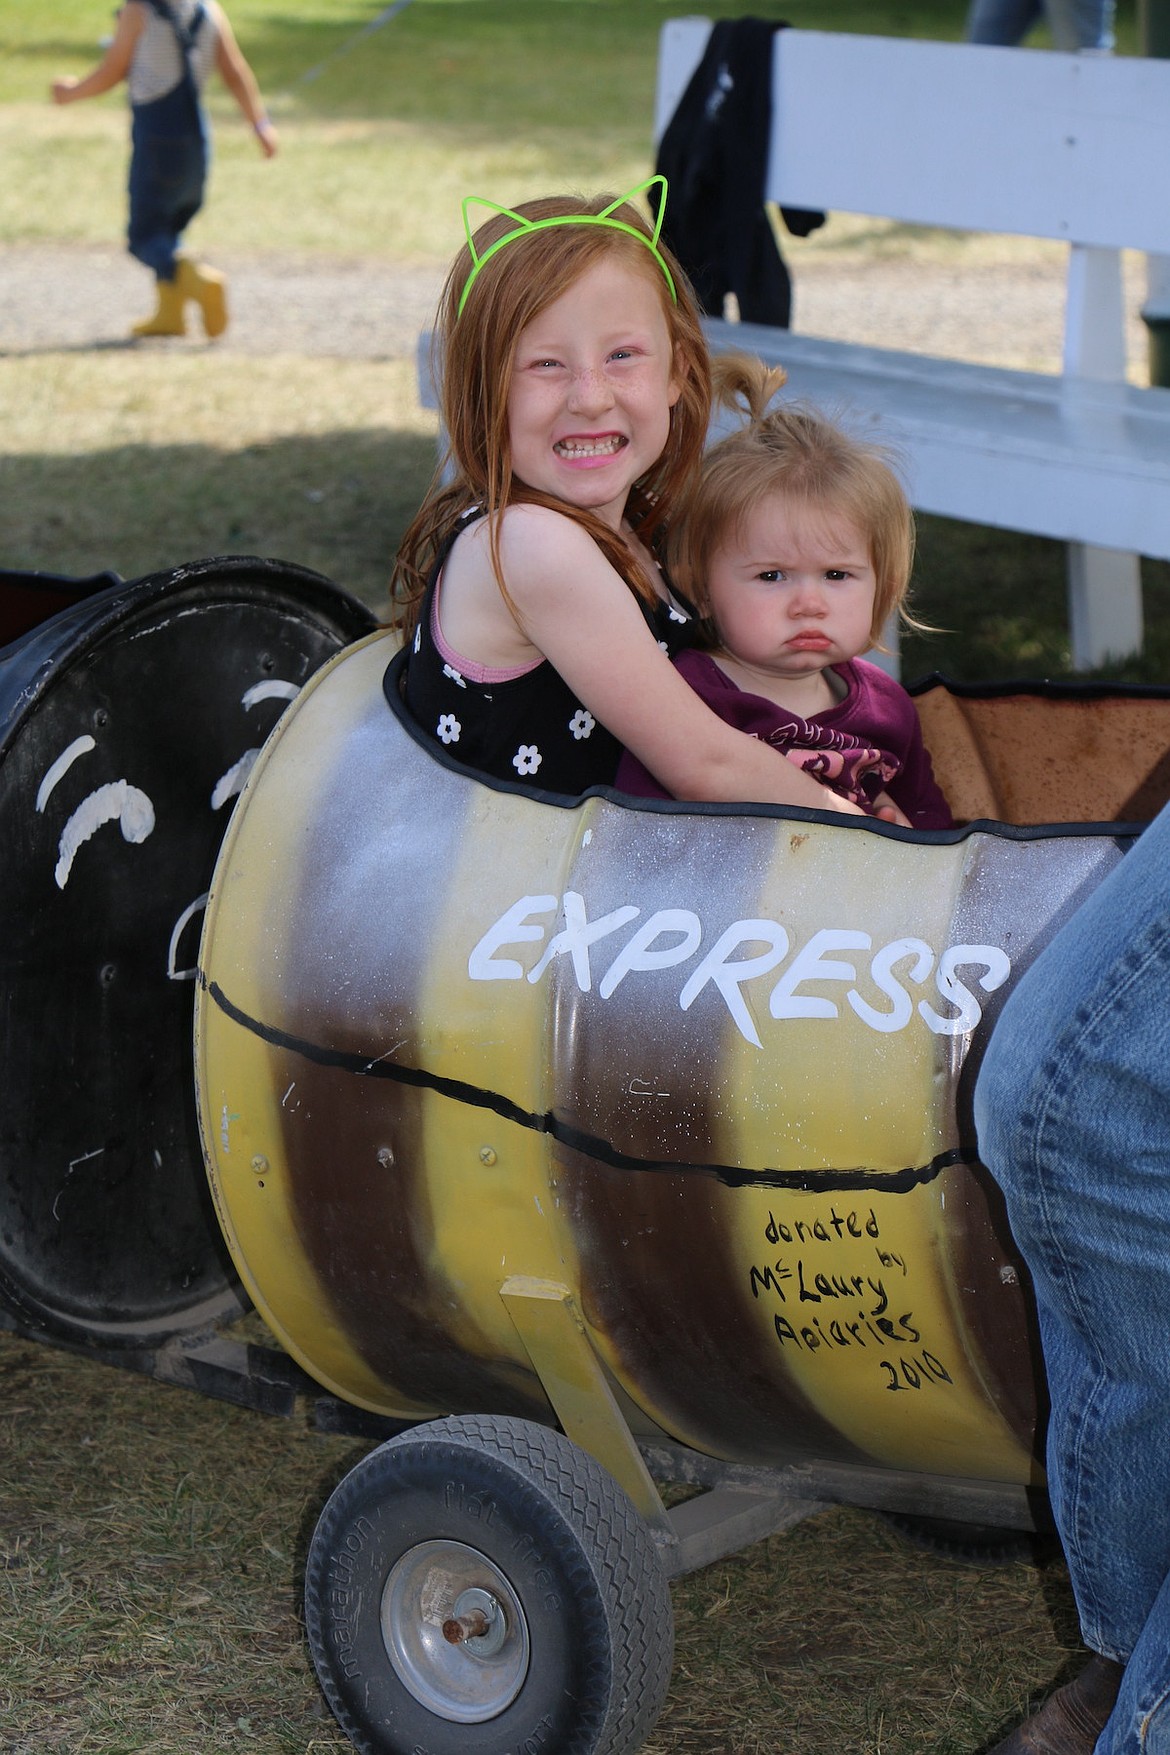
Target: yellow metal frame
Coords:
[[550, 1325]]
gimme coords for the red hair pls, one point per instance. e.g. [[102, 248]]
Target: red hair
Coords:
[[474, 352]]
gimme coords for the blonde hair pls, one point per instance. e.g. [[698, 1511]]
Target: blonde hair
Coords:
[[793, 450], [476, 349]]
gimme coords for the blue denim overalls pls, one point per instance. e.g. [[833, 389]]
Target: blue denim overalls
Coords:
[[168, 161]]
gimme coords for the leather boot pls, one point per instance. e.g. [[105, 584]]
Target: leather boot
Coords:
[[1071, 1720], [208, 288], [168, 319]]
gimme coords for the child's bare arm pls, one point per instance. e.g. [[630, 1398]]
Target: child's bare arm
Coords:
[[237, 75], [577, 611], [114, 65]]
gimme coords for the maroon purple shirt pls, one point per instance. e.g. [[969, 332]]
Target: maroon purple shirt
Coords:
[[870, 742]]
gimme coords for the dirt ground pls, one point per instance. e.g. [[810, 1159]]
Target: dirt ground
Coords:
[[65, 297]]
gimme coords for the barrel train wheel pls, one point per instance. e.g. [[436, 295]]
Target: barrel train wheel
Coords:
[[483, 1585]]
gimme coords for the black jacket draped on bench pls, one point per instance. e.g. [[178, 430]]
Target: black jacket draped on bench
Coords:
[[714, 155]]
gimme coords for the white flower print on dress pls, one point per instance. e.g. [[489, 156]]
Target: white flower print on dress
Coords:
[[448, 728], [418, 639], [449, 670], [582, 723], [527, 759], [663, 647], [676, 615]]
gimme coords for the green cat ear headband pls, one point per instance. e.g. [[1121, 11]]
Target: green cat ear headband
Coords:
[[605, 218]]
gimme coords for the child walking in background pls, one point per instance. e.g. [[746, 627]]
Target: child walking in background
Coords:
[[796, 546], [575, 391], [165, 50]]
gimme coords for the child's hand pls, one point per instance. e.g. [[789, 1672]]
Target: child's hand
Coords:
[[844, 806], [887, 811], [267, 136], [62, 88]]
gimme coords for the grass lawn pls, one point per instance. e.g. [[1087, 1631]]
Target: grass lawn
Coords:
[[385, 130]]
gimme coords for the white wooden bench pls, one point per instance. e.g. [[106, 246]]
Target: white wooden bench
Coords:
[[1070, 147]]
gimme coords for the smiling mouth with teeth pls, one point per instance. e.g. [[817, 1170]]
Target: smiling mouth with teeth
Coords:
[[589, 447]]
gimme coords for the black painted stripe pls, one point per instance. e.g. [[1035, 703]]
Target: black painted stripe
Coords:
[[459, 1091]]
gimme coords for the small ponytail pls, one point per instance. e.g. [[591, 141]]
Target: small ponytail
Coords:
[[742, 382]]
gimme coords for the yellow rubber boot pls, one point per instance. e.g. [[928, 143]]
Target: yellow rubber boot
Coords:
[[168, 319], [208, 288]]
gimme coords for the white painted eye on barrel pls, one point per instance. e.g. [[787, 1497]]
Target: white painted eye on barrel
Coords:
[[116, 801], [233, 780], [229, 785]]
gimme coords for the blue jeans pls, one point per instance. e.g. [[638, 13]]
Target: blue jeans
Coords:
[[1075, 24], [1072, 1108]]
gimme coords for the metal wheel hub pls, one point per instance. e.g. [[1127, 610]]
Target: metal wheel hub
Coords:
[[454, 1631]]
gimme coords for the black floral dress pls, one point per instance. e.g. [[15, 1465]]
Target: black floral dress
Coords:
[[530, 728]]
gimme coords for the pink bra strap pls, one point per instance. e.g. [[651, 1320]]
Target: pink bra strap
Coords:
[[467, 667]]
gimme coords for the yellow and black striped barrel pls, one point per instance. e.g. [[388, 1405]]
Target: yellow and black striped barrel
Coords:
[[708, 1067]]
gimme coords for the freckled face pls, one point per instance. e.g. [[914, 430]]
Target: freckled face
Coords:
[[792, 592], [593, 383]]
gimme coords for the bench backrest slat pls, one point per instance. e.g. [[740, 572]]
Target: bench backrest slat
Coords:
[[1072, 147]]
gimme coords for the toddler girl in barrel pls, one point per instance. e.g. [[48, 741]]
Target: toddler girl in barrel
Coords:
[[575, 391], [796, 545]]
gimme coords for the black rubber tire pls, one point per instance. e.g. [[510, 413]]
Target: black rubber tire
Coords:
[[975, 1544], [556, 1529]]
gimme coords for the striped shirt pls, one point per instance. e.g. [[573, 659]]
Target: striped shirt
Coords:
[[157, 67]]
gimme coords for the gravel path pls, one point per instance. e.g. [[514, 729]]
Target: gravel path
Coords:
[[62, 297]]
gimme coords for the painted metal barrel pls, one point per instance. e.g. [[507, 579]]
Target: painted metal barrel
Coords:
[[707, 1067], [128, 724]]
